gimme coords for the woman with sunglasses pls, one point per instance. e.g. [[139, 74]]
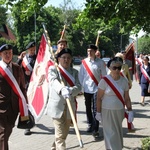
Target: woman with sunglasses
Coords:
[[112, 97]]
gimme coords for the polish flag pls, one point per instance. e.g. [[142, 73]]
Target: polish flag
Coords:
[[38, 88]]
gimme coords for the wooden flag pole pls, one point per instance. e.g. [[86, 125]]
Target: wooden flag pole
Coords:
[[97, 39], [63, 32], [67, 99]]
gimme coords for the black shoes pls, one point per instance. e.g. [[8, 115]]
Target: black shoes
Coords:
[[96, 134], [27, 132], [89, 129]]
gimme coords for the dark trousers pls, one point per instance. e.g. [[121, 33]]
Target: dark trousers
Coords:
[[5, 132], [90, 104]]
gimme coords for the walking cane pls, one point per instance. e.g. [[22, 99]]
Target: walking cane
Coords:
[[67, 99]]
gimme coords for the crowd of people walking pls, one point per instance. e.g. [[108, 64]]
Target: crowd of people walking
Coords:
[[107, 100]]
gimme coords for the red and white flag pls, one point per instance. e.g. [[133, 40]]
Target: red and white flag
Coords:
[[130, 50], [38, 88]]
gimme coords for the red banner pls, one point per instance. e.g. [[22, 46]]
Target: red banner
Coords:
[[130, 55], [38, 88]]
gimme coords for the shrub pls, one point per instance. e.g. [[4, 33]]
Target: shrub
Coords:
[[146, 143]]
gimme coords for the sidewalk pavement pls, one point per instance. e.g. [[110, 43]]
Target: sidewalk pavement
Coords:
[[43, 133]]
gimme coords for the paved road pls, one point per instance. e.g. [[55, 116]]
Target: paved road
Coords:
[[43, 133]]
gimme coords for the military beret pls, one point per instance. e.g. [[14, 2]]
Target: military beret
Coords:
[[64, 51], [92, 46], [5, 47], [62, 40], [31, 44]]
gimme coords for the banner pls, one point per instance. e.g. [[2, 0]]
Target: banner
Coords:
[[38, 88], [130, 55]]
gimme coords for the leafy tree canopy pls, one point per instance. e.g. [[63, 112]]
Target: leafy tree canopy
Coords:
[[79, 33], [31, 29], [27, 7], [144, 45], [3, 15], [130, 15], [111, 40]]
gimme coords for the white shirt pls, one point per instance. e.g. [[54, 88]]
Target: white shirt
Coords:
[[110, 100], [98, 67], [10, 65]]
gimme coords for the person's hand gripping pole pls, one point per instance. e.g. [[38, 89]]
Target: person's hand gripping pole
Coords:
[[67, 99]]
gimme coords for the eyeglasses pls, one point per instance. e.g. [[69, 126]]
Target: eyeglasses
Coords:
[[68, 58], [115, 68]]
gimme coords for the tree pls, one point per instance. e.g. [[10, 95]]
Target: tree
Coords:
[[27, 7], [31, 28], [111, 40], [3, 20], [130, 15], [79, 33], [144, 45], [67, 16], [3, 15]]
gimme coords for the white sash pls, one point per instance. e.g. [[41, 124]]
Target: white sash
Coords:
[[26, 64], [68, 74], [13, 83]]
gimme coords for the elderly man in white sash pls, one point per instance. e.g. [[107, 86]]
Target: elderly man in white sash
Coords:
[[12, 95], [57, 106]]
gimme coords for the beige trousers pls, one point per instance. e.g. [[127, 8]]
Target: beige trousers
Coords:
[[61, 131]]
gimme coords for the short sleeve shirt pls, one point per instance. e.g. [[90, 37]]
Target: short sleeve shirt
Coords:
[[110, 100]]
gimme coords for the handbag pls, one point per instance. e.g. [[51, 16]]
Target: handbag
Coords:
[[27, 124]]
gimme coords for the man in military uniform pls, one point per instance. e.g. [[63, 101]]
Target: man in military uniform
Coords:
[[27, 60], [9, 93]]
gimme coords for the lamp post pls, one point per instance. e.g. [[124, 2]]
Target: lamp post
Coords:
[[35, 30], [121, 43], [136, 44]]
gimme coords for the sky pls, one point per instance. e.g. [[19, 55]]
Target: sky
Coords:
[[56, 3], [140, 34]]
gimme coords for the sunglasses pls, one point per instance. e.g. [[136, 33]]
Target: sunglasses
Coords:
[[115, 68]]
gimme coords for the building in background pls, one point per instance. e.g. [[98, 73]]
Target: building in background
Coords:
[[6, 33]]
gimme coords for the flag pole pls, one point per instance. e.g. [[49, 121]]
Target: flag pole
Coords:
[[97, 39], [67, 99], [63, 32]]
